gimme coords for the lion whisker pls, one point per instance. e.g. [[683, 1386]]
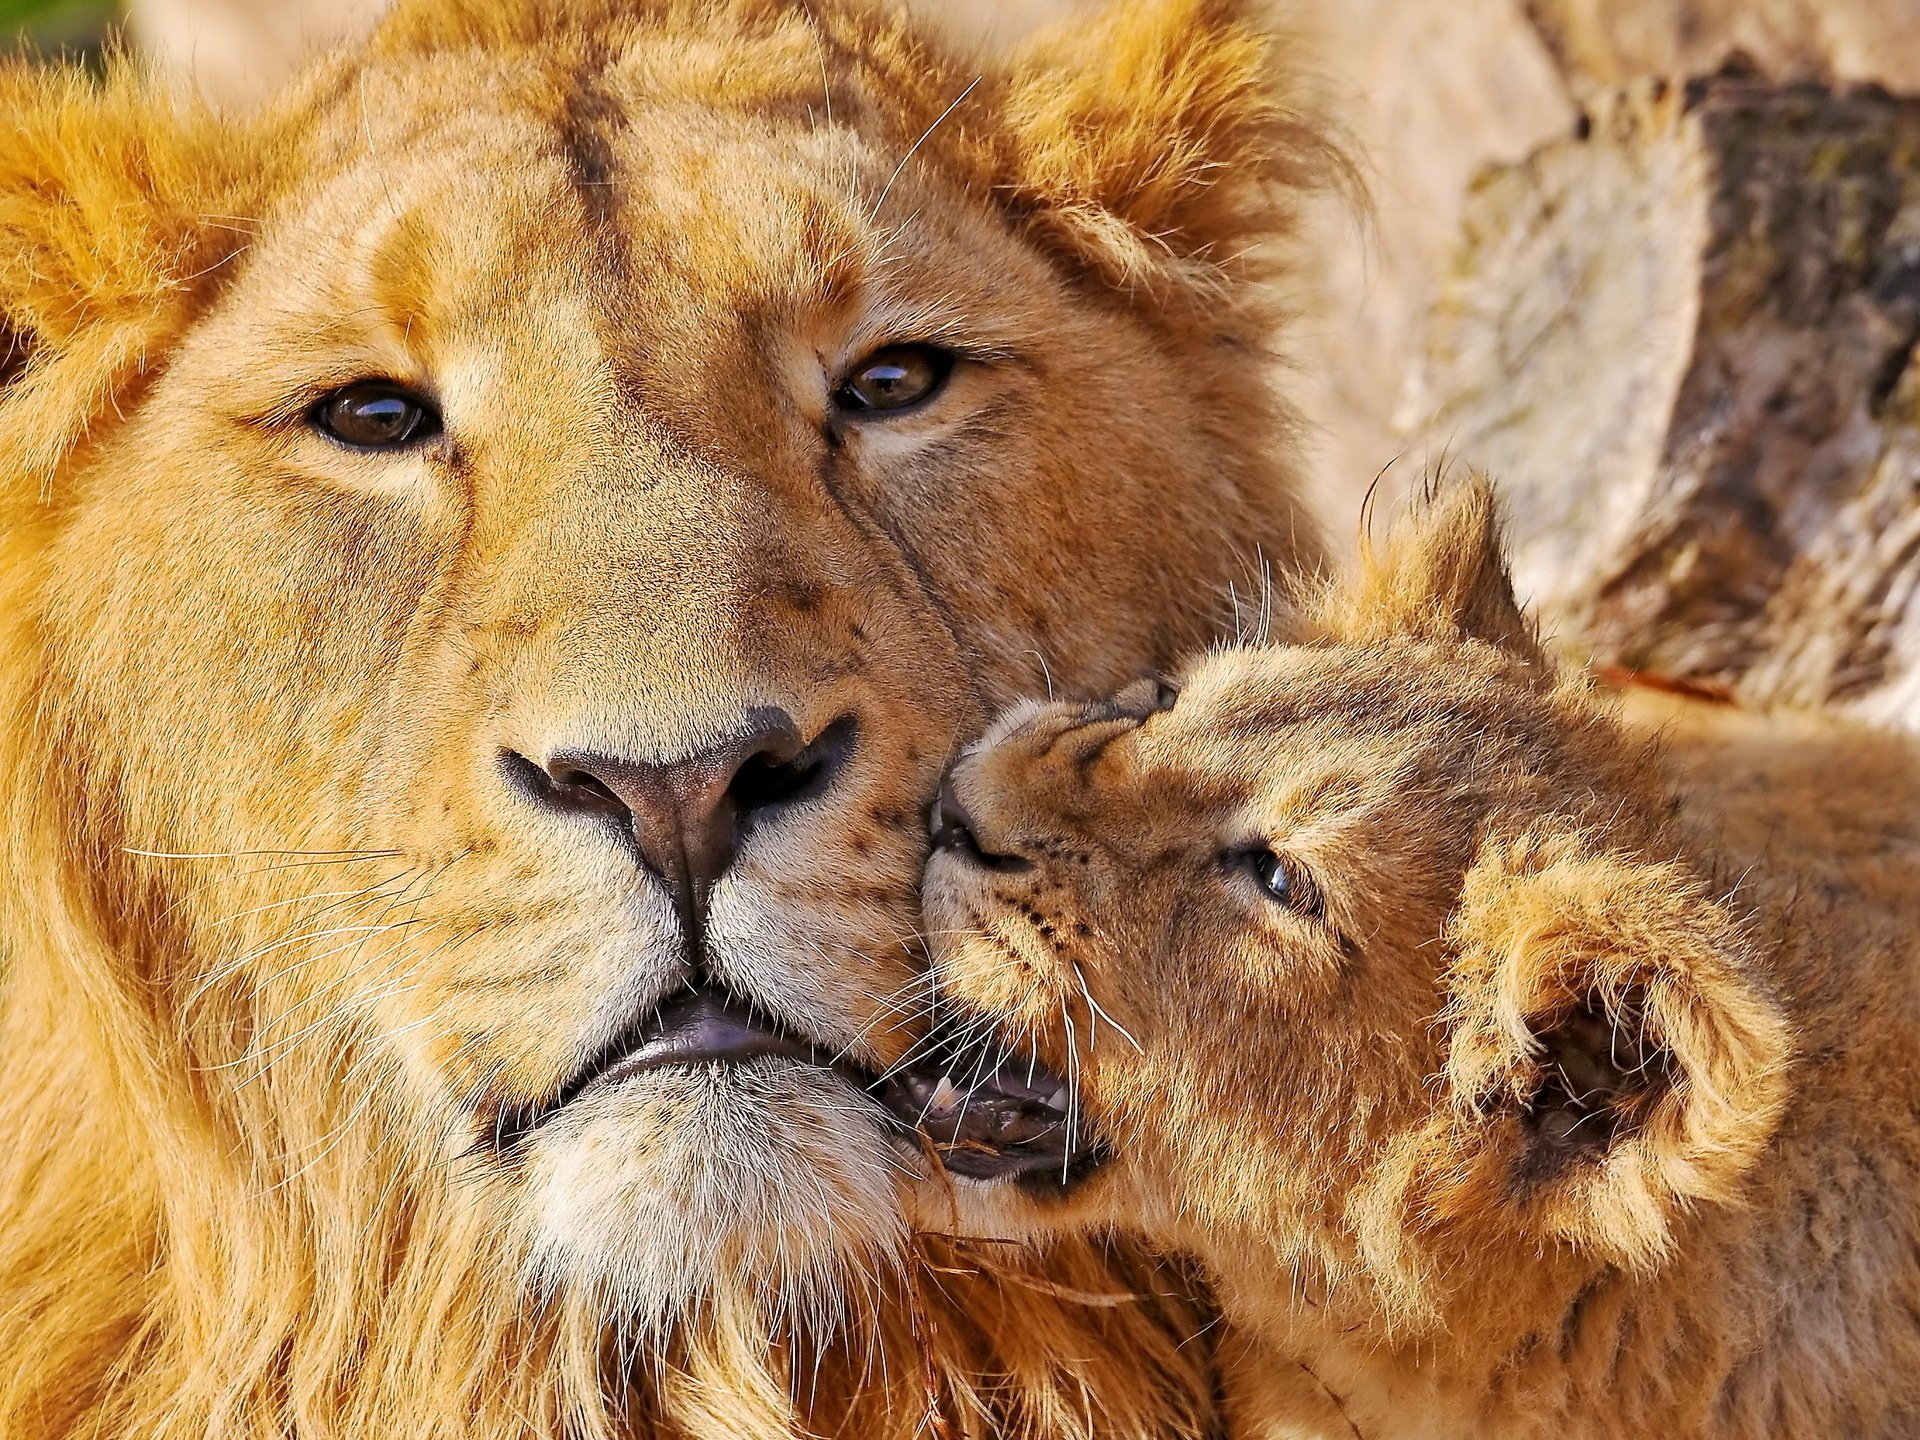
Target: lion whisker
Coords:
[[235, 966], [1073, 1088], [914, 149], [344, 897], [362, 934], [340, 857], [272, 1053], [1095, 1009]]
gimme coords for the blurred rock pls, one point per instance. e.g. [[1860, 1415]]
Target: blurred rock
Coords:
[[1433, 92], [1603, 44], [1436, 91], [1683, 340], [240, 50]]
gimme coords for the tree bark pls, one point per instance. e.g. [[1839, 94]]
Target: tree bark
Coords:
[[1683, 340]]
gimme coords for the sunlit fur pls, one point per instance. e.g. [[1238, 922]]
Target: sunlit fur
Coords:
[[282, 946], [1374, 1110]]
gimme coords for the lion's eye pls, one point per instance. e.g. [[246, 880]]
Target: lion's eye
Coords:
[[1283, 881], [1166, 694], [895, 378], [375, 415]]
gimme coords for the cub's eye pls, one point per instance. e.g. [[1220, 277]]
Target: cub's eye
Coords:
[[896, 378], [1283, 881], [375, 415], [1166, 694]]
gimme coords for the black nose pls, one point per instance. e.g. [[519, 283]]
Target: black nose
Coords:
[[687, 815], [953, 829]]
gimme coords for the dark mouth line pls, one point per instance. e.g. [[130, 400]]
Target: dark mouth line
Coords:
[[704, 1025], [988, 1112]]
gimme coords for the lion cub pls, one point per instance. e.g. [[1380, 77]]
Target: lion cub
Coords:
[[1517, 1066]]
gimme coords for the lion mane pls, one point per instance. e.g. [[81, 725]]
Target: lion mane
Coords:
[[211, 1226]]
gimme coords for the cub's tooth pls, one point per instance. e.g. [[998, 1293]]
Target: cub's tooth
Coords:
[[946, 1094], [1059, 1100]]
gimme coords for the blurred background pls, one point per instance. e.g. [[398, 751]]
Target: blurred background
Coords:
[[1653, 263], [57, 25]]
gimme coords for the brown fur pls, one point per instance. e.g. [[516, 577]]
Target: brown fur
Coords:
[[1576, 1097], [279, 945]]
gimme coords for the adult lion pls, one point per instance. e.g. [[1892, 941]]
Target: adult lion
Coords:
[[495, 552]]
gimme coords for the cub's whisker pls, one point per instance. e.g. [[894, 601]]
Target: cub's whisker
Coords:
[[1096, 1009]]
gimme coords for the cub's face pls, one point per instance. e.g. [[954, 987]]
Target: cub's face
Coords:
[[1346, 950], [1213, 905]]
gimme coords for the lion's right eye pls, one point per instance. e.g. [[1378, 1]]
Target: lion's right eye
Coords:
[[896, 378], [1283, 880], [375, 415]]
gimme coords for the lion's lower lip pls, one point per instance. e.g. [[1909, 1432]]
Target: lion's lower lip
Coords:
[[704, 1027]]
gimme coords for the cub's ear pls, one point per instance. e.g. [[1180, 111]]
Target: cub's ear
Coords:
[[1441, 575], [1158, 140], [1612, 1057], [114, 201]]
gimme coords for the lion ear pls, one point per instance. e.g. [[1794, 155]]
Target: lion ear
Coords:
[[108, 201], [1157, 140], [1441, 575], [1612, 1057]]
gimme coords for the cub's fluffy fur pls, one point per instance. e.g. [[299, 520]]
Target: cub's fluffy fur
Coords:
[[1519, 1066]]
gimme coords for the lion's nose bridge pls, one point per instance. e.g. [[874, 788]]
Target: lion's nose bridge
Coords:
[[1062, 741], [655, 570], [1047, 767], [670, 671], [657, 660]]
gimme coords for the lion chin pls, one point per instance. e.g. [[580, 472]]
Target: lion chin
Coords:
[[762, 1182], [497, 549]]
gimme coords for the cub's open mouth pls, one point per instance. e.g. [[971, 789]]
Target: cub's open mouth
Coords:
[[991, 1115]]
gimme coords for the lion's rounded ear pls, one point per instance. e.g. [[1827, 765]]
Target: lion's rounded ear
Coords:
[[1440, 575], [114, 200], [1156, 141], [1613, 1057]]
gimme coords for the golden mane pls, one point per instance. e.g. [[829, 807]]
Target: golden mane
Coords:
[[197, 1251]]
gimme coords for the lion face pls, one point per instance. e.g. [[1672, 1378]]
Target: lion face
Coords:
[[1340, 945], [512, 640], [1213, 899]]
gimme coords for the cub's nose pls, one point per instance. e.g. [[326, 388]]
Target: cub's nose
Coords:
[[688, 814], [1148, 696], [954, 829]]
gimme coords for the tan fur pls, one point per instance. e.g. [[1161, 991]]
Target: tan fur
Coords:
[[1581, 1096], [280, 946]]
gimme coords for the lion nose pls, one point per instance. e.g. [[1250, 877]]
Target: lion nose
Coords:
[[688, 814], [952, 828]]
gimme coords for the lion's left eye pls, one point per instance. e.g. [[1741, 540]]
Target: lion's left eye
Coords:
[[896, 378], [375, 415]]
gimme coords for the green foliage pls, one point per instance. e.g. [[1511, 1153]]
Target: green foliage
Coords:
[[51, 26]]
